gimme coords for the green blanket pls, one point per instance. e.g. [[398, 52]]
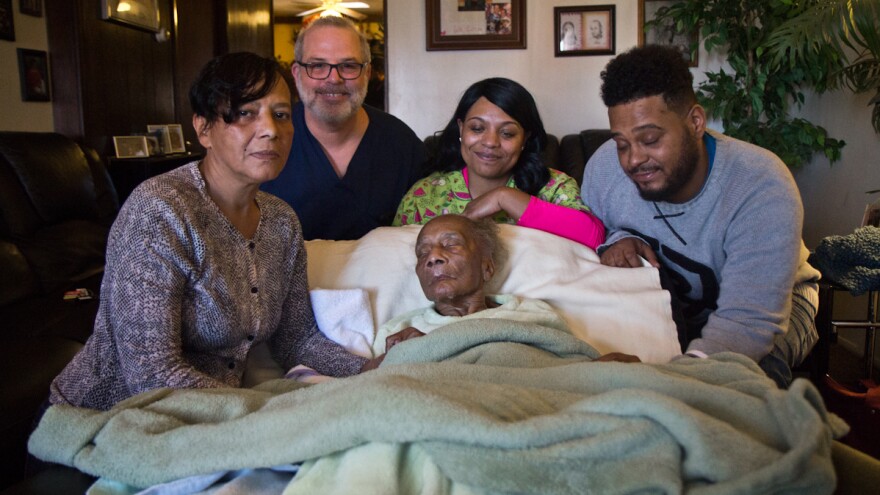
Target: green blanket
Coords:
[[497, 405]]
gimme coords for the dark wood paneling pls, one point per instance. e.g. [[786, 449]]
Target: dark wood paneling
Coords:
[[248, 27], [110, 79], [63, 37], [194, 42]]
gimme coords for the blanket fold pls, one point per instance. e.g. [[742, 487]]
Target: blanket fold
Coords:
[[497, 405]]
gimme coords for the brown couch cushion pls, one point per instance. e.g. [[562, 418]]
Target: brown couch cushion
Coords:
[[54, 172], [66, 252]]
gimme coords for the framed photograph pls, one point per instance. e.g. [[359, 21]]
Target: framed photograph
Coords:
[[666, 34], [175, 134], [163, 136], [142, 14], [7, 27], [33, 72], [475, 24], [31, 7], [584, 30], [131, 146]]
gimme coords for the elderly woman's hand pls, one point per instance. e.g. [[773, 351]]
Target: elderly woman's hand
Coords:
[[618, 357], [506, 199], [405, 334], [391, 341]]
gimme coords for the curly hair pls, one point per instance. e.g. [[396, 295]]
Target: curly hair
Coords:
[[645, 71], [530, 174], [229, 81]]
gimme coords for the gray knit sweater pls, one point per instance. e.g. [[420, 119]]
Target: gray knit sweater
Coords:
[[185, 297], [734, 251]]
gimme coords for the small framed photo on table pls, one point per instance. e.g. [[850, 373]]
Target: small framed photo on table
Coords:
[[584, 30], [131, 146], [162, 135], [175, 134]]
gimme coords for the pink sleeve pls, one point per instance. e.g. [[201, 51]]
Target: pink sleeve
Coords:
[[579, 226]]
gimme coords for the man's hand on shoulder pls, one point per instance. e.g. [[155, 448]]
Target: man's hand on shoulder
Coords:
[[628, 253]]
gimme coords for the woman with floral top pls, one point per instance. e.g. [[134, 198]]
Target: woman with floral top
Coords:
[[489, 165]]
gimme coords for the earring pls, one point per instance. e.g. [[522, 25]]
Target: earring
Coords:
[[459, 139]]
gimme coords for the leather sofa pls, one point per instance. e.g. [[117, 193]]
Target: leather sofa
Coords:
[[57, 203]]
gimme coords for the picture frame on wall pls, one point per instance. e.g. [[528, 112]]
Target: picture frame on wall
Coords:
[[33, 72], [687, 44], [584, 30], [131, 146], [475, 24], [31, 7], [7, 26], [141, 14]]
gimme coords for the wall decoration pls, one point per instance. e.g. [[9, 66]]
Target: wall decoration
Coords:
[[7, 27], [475, 24], [665, 34], [142, 14], [31, 7], [33, 72], [584, 30], [131, 146]]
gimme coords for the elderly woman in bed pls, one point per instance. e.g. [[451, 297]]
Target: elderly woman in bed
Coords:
[[201, 264], [489, 165], [455, 259]]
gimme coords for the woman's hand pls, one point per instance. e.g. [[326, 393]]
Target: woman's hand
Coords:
[[507, 199]]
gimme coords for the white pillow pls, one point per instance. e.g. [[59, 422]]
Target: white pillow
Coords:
[[614, 309]]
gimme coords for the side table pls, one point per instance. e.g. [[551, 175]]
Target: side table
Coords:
[[127, 173]]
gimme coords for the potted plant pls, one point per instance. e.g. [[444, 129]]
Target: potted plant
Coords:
[[753, 101], [845, 34]]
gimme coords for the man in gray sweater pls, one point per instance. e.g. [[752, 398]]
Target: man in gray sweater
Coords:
[[720, 216]]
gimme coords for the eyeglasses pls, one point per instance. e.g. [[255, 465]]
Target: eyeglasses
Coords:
[[346, 70]]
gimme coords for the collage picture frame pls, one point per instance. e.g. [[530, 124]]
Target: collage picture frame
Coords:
[[475, 24]]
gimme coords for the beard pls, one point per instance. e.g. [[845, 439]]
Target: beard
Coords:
[[329, 113], [681, 174]]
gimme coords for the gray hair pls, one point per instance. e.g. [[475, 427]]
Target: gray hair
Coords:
[[486, 235], [332, 21]]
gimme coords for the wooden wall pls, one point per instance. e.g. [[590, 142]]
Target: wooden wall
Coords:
[[112, 79]]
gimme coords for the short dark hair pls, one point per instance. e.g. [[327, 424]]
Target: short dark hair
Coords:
[[530, 174], [229, 81], [646, 71]]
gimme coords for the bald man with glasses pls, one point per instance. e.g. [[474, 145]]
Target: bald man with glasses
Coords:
[[349, 164]]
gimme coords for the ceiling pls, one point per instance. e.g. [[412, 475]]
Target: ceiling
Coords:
[[290, 8]]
